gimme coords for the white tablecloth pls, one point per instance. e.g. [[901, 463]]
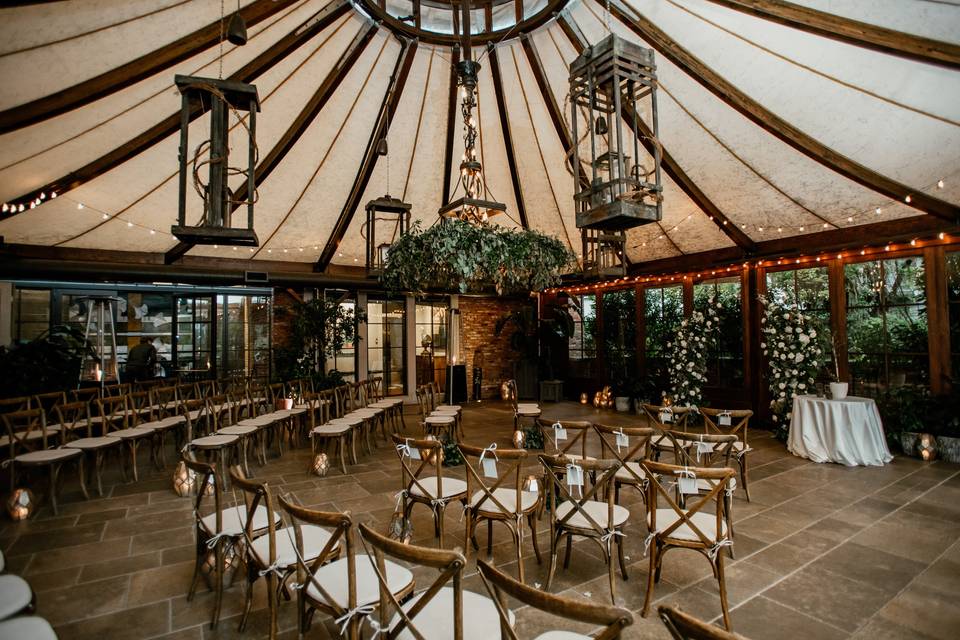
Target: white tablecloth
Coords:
[[846, 431]]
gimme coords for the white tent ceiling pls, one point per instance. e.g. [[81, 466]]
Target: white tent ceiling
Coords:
[[898, 117]]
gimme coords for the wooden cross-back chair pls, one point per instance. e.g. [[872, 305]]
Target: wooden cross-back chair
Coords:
[[700, 526], [76, 431], [422, 480], [115, 390], [629, 446], [86, 394], [219, 530], [566, 437], [683, 626], [342, 586], [522, 411], [665, 417], [734, 422], [439, 612], [440, 425], [587, 510], [26, 436], [272, 551], [47, 401], [143, 414], [19, 403], [501, 499], [117, 422], [613, 620]]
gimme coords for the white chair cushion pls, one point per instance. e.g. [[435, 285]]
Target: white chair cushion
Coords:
[[352, 421], [27, 628], [213, 441], [451, 487], [233, 520], [314, 539], [135, 432], [47, 455], [507, 497], [447, 407], [333, 577], [331, 430], [93, 443], [597, 511], [15, 596], [435, 621], [237, 430], [562, 635], [441, 419], [528, 411], [704, 521]]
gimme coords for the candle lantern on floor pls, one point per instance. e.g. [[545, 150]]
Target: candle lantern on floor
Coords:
[[518, 439], [231, 562], [320, 465], [927, 446], [21, 504], [583, 398], [183, 480]]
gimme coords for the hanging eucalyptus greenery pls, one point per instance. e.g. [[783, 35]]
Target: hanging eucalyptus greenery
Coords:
[[469, 258]]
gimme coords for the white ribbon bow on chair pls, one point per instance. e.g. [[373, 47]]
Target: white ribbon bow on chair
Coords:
[[344, 620], [607, 538]]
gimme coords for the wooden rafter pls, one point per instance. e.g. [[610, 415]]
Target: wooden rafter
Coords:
[[774, 124], [117, 79], [388, 108], [171, 124], [451, 125], [670, 164], [299, 125], [507, 137], [861, 34]]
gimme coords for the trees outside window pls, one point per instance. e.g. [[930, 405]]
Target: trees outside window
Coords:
[[663, 312], [725, 362], [887, 322]]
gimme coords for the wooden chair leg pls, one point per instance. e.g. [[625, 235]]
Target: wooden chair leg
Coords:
[[248, 595], [218, 583], [723, 592], [81, 472], [54, 476], [744, 476], [623, 564], [532, 519], [554, 552], [566, 557], [650, 571]]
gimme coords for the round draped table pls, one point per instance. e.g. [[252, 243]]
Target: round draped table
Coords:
[[845, 431]]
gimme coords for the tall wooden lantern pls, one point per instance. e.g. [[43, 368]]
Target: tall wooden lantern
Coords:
[[388, 218], [220, 98], [612, 84]]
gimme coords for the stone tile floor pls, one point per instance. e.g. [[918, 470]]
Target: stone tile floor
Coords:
[[822, 551]]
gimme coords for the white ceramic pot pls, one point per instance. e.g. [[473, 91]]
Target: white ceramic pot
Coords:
[[838, 390], [622, 403], [286, 404]]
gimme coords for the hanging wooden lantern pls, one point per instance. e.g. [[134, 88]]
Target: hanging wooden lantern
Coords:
[[21, 504], [183, 480], [220, 98], [519, 439], [320, 465], [387, 219], [612, 85], [927, 446]]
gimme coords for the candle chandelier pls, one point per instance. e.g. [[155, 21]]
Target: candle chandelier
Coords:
[[474, 206]]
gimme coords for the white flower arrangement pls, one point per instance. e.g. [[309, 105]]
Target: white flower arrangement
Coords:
[[793, 355], [688, 352]]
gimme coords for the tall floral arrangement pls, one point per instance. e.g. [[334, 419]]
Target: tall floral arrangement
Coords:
[[794, 355], [687, 354]]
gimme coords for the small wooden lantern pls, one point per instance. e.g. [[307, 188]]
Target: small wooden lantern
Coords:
[[387, 219], [927, 446], [583, 398], [519, 439], [219, 97], [231, 562]]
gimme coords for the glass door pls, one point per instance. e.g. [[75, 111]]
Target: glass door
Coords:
[[195, 336], [385, 343]]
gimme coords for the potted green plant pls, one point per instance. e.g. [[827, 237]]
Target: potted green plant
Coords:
[[51, 362], [320, 328]]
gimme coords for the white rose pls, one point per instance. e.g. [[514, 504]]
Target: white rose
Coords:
[[813, 333], [782, 385], [802, 385]]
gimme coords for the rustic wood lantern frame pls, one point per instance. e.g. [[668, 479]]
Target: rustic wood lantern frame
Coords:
[[396, 215], [219, 97]]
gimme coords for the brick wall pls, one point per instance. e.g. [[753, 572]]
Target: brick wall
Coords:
[[478, 318]]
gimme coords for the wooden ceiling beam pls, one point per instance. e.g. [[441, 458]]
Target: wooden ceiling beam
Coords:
[[105, 84], [451, 124], [507, 137], [670, 165], [842, 240], [774, 124], [171, 124], [855, 32], [388, 108], [299, 125]]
